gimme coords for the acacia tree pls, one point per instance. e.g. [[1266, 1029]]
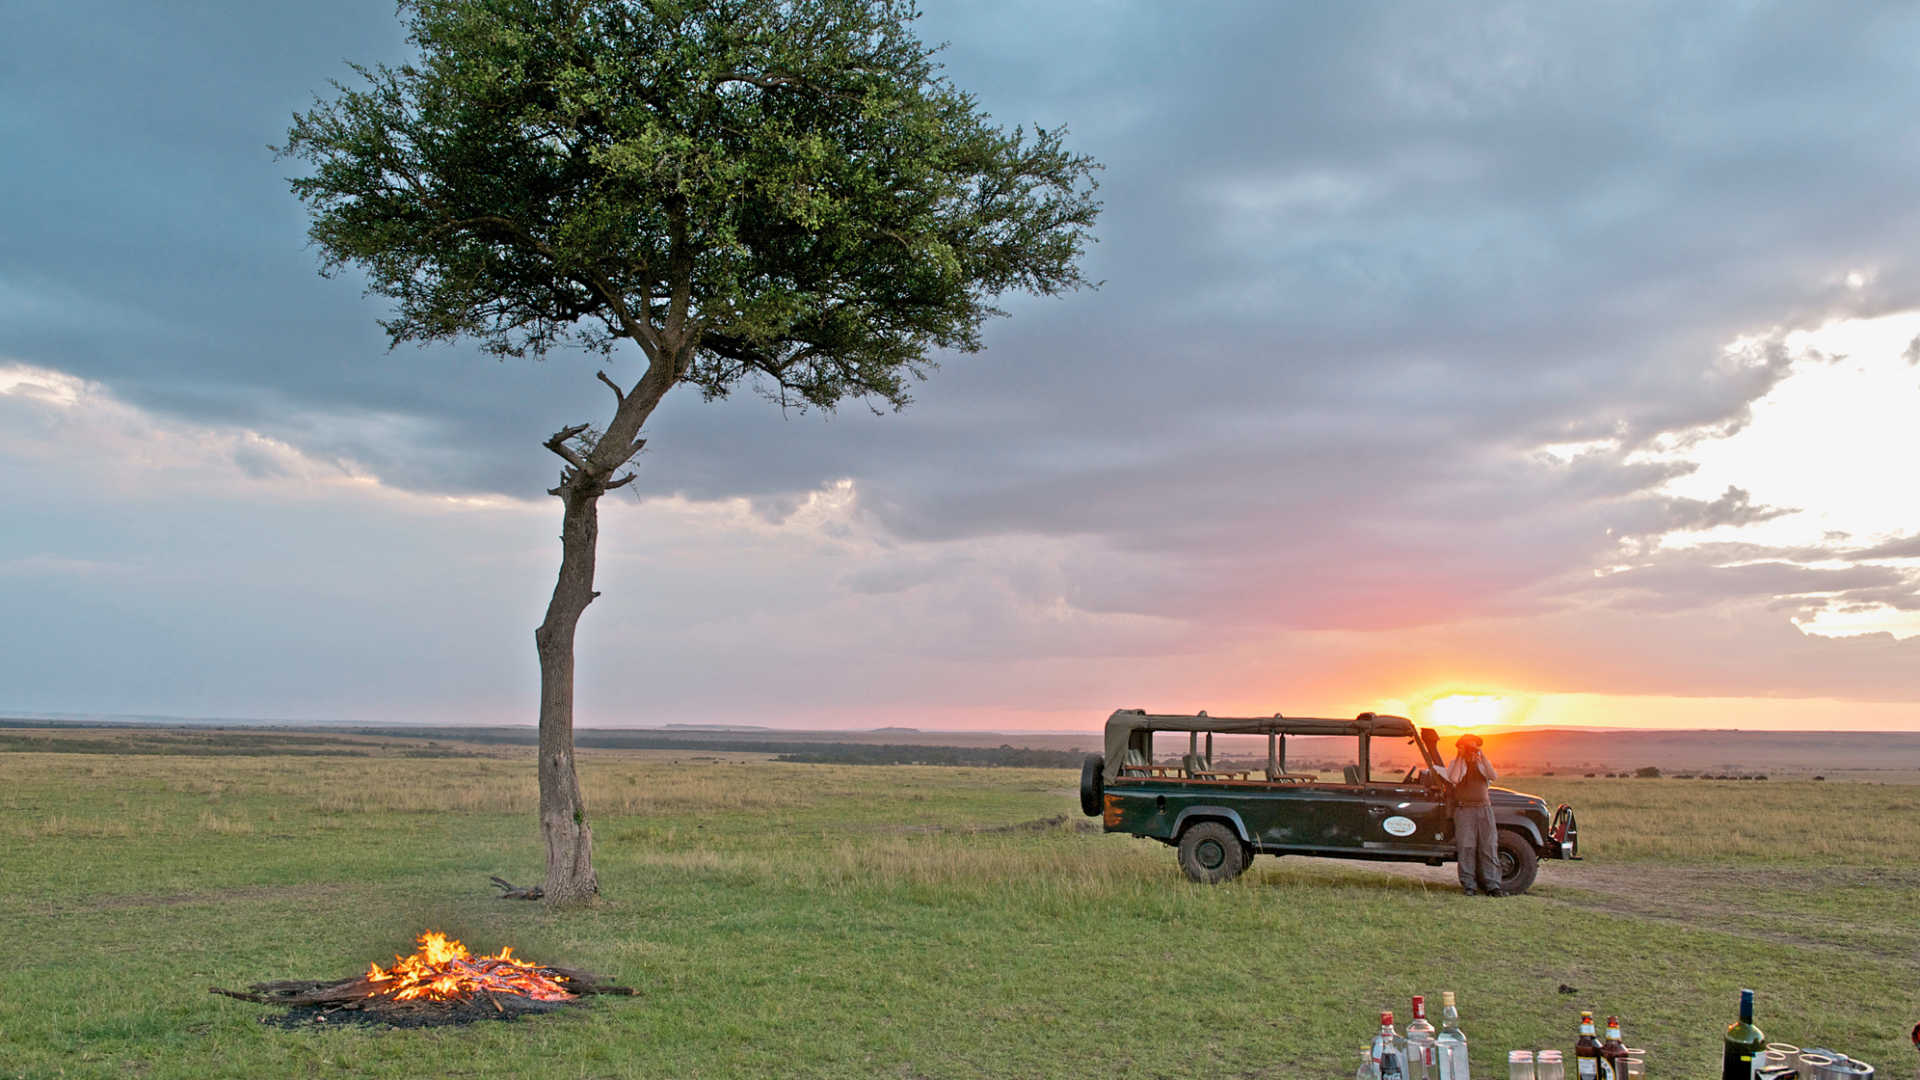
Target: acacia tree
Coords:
[[781, 193]]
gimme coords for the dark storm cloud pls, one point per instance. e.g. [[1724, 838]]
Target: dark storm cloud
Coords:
[[1357, 263]]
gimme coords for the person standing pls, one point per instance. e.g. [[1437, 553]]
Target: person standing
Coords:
[[1475, 843]]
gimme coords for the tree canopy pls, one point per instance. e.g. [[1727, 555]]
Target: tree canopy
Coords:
[[779, 190]]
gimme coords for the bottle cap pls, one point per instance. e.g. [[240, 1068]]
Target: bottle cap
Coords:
[[1386, 1016], [1446, 998], [1419, 1005]]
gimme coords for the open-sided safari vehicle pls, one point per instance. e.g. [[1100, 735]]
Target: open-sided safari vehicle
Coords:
[[1224, 789]]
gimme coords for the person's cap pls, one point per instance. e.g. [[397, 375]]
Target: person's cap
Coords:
[[1465, 741]]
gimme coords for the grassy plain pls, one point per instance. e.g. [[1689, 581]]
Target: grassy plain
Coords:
[[832, 921]]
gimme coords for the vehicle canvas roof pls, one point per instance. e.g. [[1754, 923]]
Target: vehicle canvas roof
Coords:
[[1124, 722]]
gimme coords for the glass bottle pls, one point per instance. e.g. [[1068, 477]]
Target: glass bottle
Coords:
[[1586, 1051], [1613, 1053], [1389, 1053], [1368, 1070], [1421, 1055], [1451, 1044], [1744, 1043]]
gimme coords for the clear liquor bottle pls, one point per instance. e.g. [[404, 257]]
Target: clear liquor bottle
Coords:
[[1422, 1061], [1389, 1053], [1451, 1044], [1368, 1070]]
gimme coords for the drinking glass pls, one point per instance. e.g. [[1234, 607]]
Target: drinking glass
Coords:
[[1635, 1054], [1547, 1065], [1814, 1066], [1636, 1068], [1520, 1065], [1791, 1051]]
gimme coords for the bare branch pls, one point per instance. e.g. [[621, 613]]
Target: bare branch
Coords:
[[622, 482], [558, 444], [619, 398]]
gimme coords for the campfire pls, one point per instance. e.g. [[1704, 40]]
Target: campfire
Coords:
[[440, 983]]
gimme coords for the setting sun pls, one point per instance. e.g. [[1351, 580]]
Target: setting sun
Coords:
[[1465, 712]]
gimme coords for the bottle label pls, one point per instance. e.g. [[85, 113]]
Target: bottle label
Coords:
[[1589, 1069]]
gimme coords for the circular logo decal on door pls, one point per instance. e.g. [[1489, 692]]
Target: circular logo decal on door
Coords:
[[1399, 826]]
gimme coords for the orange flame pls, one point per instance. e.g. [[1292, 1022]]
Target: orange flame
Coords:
[[441, 969]]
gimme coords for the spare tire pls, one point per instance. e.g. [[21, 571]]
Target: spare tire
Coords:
[[1093, 784]]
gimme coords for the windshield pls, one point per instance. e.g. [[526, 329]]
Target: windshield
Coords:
[[1390, 761]]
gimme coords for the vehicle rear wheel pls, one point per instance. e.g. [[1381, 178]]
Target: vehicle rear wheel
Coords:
[[1210, 853], [1518, 863], [1092, 784]]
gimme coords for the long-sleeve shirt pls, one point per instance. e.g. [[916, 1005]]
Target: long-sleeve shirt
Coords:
[[1470, 790]]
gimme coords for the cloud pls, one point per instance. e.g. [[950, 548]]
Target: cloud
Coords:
[[1412, 320], [1906, 547]]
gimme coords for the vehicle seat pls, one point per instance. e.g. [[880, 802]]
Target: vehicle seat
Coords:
[[1134, 760], [1351, 773], [1196, 764]]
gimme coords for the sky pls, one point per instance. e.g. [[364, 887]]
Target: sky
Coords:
[[1505, 363]]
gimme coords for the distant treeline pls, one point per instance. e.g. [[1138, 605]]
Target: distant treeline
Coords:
[[223, 745], [1018, 757], [809, 751], [445, 742]]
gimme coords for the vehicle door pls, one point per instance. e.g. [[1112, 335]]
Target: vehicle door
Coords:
[[1319, 800], [1407, 811]]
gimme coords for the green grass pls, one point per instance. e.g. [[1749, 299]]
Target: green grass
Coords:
[[807, 920]]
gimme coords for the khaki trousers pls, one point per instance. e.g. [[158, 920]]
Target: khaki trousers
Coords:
[[1475, 845]]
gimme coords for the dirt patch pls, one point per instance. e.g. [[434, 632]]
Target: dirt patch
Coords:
[[1037, 825]]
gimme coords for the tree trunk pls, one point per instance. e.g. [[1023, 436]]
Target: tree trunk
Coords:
[[563, 813]]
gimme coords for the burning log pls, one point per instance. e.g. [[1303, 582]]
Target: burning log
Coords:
[[440, 983]]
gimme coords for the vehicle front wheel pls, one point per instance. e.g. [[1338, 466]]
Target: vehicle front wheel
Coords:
[[1210, 853], [1518, 863]]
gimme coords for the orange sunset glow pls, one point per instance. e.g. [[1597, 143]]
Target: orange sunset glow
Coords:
[[1459, 712]]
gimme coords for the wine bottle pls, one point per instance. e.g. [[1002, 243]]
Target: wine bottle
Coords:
[[1586, 1051], [1744, 1043]]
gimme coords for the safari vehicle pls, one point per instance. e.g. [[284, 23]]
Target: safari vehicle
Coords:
[[1365, 788]]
